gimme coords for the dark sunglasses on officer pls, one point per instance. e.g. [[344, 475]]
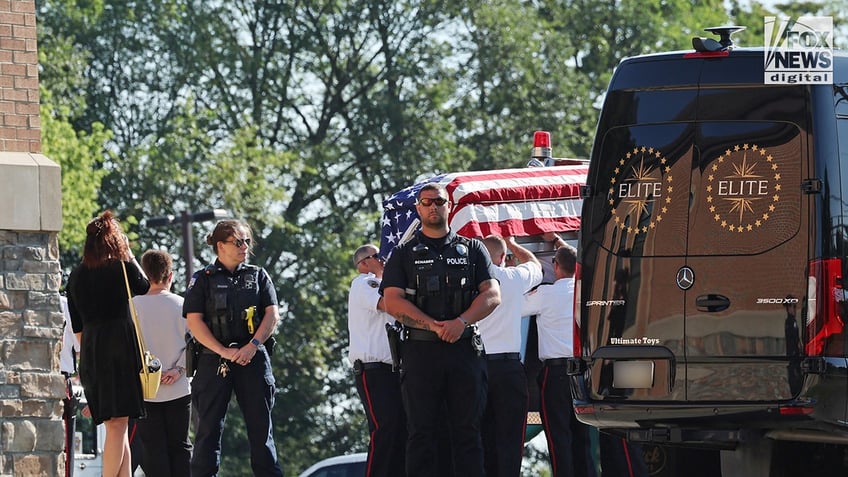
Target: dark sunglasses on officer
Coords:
[[239, 242], [374, 256], [428, 201]]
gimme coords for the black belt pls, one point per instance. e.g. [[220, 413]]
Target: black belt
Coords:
[[556, 362], [416, 334], [503, 356], [359, 366]]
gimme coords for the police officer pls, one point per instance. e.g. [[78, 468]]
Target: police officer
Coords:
[[377, 383], [231, 308], [505, 418], [438, 285]]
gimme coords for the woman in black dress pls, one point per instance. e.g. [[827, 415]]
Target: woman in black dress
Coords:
[[109, 357]]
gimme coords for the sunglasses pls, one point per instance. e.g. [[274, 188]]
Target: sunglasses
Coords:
[[376, 256], [239, 242], [427, 202]]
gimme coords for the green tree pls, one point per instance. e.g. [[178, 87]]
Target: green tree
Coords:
[[78, 152], [301, 116]]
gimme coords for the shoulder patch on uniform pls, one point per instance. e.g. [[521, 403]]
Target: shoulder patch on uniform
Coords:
[[373, 283]]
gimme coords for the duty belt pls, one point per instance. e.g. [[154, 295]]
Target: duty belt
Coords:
[[416, 334], [556, 362], [359, 366], [503, 356]]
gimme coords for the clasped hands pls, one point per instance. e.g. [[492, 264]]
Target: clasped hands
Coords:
[[241, 355], [449, 331]]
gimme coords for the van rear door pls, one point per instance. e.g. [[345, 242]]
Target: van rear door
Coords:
[[747, 247], [696, 238]]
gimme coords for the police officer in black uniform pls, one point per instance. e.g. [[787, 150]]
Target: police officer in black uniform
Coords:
[[438, 285], [231, 308]]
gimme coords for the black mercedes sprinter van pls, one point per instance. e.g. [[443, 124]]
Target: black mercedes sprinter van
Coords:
[[709, 302]]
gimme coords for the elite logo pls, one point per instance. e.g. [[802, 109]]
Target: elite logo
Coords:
[[743, 188], [640, 190]]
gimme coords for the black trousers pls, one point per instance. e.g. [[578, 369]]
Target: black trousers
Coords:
[[164, 437], [69, 415], [619, 458], [254, 388], [441, 376], [568, 439], [379, 391], [505, 418]]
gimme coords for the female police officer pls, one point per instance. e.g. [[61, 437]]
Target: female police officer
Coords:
[[437, 285], [231, 309]]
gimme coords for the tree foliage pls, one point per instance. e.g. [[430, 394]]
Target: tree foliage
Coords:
[[301, 116], [79, 152]]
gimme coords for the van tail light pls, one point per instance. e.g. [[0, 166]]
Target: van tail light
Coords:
[[795, 410], [575, 338], [823, 305]]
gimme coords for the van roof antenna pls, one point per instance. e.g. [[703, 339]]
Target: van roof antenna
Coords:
[[724, 43]]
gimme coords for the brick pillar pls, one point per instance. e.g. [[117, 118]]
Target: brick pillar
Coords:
[[31, 386]]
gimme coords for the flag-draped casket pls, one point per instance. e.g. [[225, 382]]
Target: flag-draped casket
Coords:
[[507, 202]]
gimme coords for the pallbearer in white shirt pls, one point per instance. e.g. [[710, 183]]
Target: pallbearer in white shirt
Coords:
[[505, 418], [378, 386], [568, 439]]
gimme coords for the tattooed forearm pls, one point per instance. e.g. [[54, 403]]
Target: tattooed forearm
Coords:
[[410, 321]]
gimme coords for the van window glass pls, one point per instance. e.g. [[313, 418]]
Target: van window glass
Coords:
[[735, 69], [654, 73], [85, 427], [735, 192], [631, 107], [643, 173], [746, 187]]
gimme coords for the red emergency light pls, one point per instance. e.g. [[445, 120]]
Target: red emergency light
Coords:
[[541, 146], [542, 139]]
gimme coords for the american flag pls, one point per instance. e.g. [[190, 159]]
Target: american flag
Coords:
[[508, 202]]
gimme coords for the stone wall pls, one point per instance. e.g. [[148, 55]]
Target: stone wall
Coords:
[[31, 386]]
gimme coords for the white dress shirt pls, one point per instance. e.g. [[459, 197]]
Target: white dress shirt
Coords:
[[554, 305], [501, 330], [70, 345], [366, 324]]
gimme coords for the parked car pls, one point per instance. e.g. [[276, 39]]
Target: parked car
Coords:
[[88, 444], [349, 465]]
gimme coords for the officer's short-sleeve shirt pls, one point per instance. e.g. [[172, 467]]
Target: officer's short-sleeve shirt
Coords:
[[195, 297], [367, 324], [400, 268]]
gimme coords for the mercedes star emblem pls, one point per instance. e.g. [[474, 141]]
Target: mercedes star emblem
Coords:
[[685, 278]]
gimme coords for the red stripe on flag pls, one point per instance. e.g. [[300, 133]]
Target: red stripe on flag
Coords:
[[508, 185], [516, 202]]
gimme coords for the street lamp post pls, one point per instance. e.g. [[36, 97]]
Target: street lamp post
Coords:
[[185, 219]]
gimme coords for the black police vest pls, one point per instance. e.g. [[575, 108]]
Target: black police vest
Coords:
[[443, 281], [228, 298]]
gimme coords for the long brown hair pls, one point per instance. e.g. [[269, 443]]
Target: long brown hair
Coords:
[[104, 241]]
